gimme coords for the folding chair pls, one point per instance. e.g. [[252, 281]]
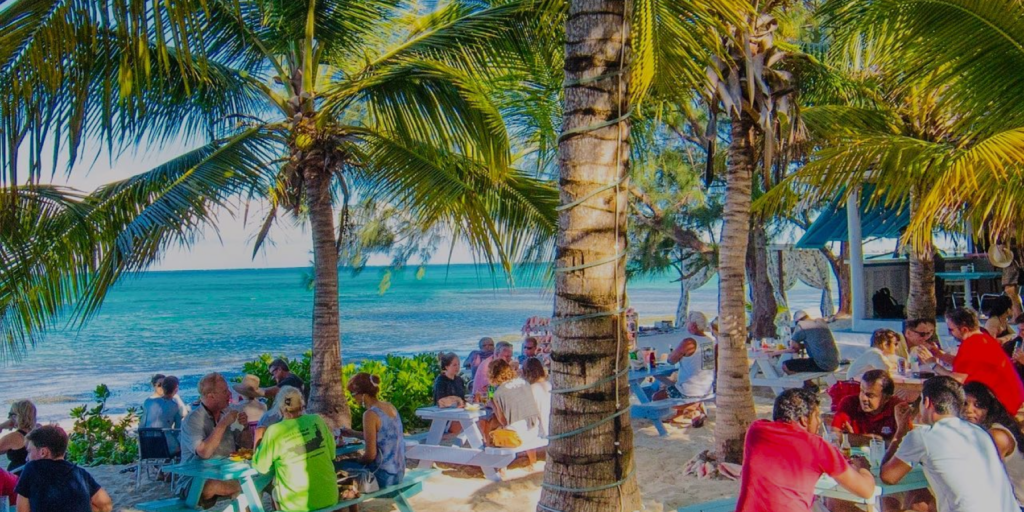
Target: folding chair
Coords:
[[154, 451]]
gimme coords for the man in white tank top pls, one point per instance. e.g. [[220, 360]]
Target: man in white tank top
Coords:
[[695, 380]]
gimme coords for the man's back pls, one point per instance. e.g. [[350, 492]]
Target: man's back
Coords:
[[57, 486], [697, 372], [161, 413], [820, 343], [782, 462], [982, 359], [963, 469]]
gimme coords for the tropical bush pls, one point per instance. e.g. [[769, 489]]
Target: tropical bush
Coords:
[[260, 367], [96, 439], [406, 382]]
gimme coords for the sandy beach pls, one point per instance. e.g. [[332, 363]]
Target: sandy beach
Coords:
[[659, 472]]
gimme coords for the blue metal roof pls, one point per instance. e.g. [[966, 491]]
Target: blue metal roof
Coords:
[[877, 222]]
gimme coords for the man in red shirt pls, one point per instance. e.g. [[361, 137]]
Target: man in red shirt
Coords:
[[784, 458], [981, 359], [872, 412]]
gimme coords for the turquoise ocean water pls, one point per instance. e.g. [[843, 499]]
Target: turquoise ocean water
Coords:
[[187, 323]]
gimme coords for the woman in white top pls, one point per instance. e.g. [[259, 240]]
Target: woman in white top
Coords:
[[881, 355], [537, 376], [984, 410]]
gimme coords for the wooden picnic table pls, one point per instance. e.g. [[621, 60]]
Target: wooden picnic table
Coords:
[[660, 373], [251, 481], [827, 487], [765, 370]]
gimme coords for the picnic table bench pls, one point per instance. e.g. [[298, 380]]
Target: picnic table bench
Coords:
[[723, 505], [490, 460], [660, 411], [764, 372]]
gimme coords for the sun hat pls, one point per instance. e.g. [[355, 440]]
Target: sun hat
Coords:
[[249, 387], [1000, 256]]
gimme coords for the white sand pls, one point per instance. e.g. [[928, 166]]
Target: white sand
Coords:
[[659, 471]]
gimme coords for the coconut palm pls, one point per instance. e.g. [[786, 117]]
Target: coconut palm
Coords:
[[973, 52], [324, 101]]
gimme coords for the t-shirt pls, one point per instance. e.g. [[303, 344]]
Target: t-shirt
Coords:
[[697, 372], [8, 481], [782, 462], [873, 359], [443, 386], [196, 427], [981, 358], [880, 423], [295, 382], [161, 413], [480, 380], [300, 451], [820, 344], [542, 397], [964, 471], [57, 486]]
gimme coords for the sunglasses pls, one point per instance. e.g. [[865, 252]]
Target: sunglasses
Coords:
[[925, 334]]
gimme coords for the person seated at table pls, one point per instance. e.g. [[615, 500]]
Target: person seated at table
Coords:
[[513, 404], [531, 348], [249, 393], [920, 341], [449, 388], [206, 433], [784, 458], [283, 376], [998, 323], [299, 449], [537, 376], [1014, 349], [960, 461], [163, 411], [473, 360], [980, 358], [49, 483], [981, 408], [870, 413], [814, 336], [22, 419], [695, 356], [503, 351], [384, 455], [881, 355]]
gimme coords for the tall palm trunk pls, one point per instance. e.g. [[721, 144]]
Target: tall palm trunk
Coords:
[[735, 403], [842, 272], [921, 300], [326, 396], [762, 293], [592, 468]]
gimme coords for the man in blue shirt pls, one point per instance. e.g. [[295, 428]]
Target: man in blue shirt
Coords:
[[51, 484]]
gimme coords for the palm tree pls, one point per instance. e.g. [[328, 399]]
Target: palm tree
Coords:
[[322, 101], [973, 52]]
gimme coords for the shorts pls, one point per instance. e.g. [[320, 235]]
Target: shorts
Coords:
[[673, 392], [1012, 276], [802, 366]]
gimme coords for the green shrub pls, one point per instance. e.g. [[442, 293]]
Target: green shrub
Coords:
[[261, 368], [96, 439], [406, 382]]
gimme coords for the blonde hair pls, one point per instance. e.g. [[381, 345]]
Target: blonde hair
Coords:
[[500, 372], [26, 412], [289, 401]]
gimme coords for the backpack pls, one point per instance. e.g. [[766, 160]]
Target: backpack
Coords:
[[885, 305]]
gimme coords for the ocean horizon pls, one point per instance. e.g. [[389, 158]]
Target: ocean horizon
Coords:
[[191, 322]]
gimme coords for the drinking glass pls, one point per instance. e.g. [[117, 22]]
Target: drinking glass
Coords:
[[876, 452]]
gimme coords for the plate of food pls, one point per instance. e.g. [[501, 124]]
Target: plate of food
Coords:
[[472, 407]]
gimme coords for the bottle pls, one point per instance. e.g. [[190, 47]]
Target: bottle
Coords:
[[845, 447]]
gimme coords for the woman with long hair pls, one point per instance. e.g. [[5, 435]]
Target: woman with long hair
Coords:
[[984, 410], [384, 455]]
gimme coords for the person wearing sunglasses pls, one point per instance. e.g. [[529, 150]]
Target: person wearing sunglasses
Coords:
[[960, 461], [22, 419]]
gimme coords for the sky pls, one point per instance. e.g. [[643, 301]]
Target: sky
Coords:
[[229, 246]]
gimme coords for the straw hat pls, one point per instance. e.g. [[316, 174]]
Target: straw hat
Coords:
[[249, 387], [1000, 256]]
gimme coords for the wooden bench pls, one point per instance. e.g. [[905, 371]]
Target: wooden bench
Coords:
[[411, 485], [660, 411], [726, 505]]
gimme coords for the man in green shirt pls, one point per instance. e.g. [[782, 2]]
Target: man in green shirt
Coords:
[[300, 450]]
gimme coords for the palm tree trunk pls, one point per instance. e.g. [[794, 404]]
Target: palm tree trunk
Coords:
[[735, 403], [762, 294], [842, 273], [592, 468], [921, 300], [326, 396]]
